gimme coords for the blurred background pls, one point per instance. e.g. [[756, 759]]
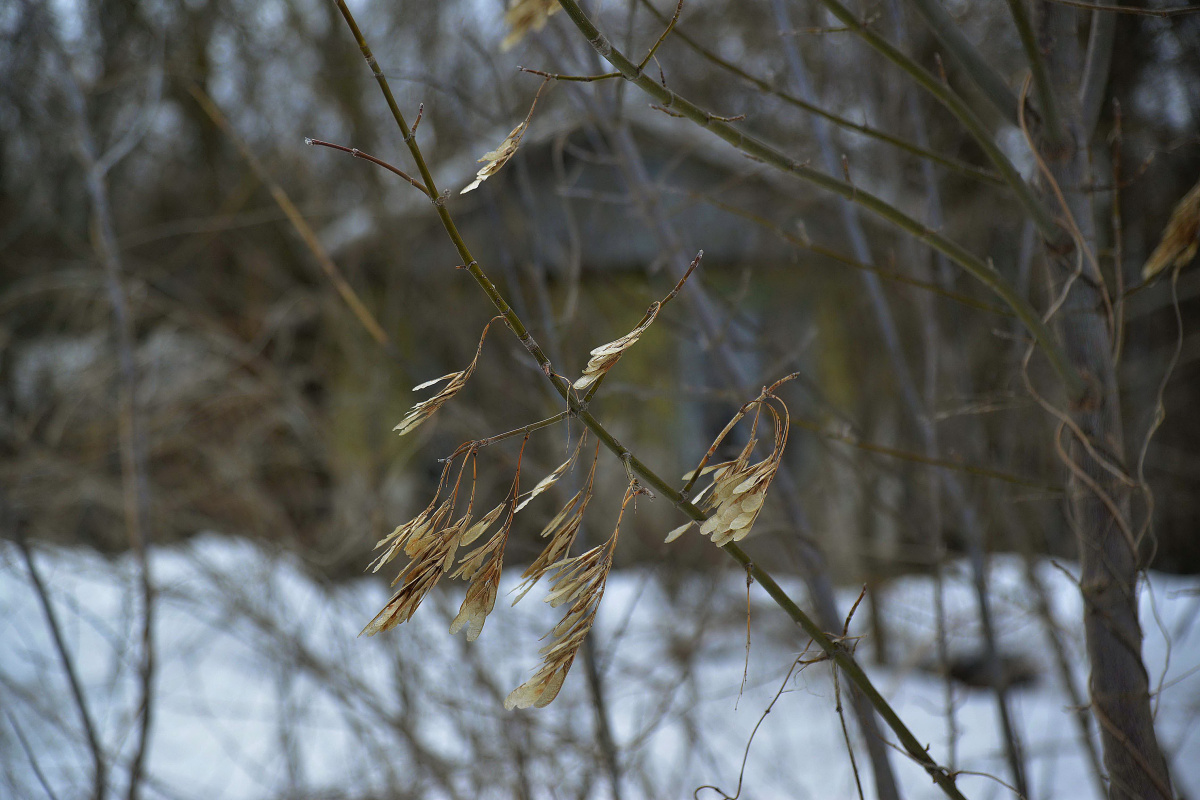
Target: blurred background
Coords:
[[196, 427]]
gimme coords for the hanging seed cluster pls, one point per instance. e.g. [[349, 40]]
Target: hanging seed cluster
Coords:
[[433, 539], [739, 487], [580, 582]]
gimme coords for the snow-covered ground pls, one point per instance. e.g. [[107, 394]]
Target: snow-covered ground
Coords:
[[264, 690]]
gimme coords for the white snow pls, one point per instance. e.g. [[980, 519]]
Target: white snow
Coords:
[[264, 690]]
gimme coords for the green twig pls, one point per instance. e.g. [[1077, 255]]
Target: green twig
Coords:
[[851, 669], [1038, 212], [354, 151], [554, 76], [825, 432], [962, 167], [755, 148], [968, 56], [1096, 69], [522, 431], [1051, 120], [1173, 11], [805, 243], [661, 39]]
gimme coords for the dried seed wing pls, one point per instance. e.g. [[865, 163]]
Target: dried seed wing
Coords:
[[687, 476], [478, 603], [483, 524], [384, 620], [1180, 239], [723, 538], [571, 641], [524, 16], [493, 160], [606, 356], [435, 381], [564, 591], [538, 692], [455, 382], [741, 521], [559, 518], [582, 580], [698, 496], [675, 534], [551, 479], [739, 488], [752, 503], [747, 485]]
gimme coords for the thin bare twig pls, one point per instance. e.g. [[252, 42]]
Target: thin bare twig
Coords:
[[100, 777], [798, 662], [837, 694], [842, 122], [1160, 415], [1173, 11], [1047, 104], [555, 76], [30, 756], [1096, 69], [746, 666], [662, 38], [805, 243], [522, 431], [847, 437], [758, 149], [354, 151], [950, 34], [347, 293], [1118, 256]]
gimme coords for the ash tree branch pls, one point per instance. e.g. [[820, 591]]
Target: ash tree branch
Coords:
[[834, 649]]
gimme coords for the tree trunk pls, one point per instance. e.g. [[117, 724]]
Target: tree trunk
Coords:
[[1099, 500]]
